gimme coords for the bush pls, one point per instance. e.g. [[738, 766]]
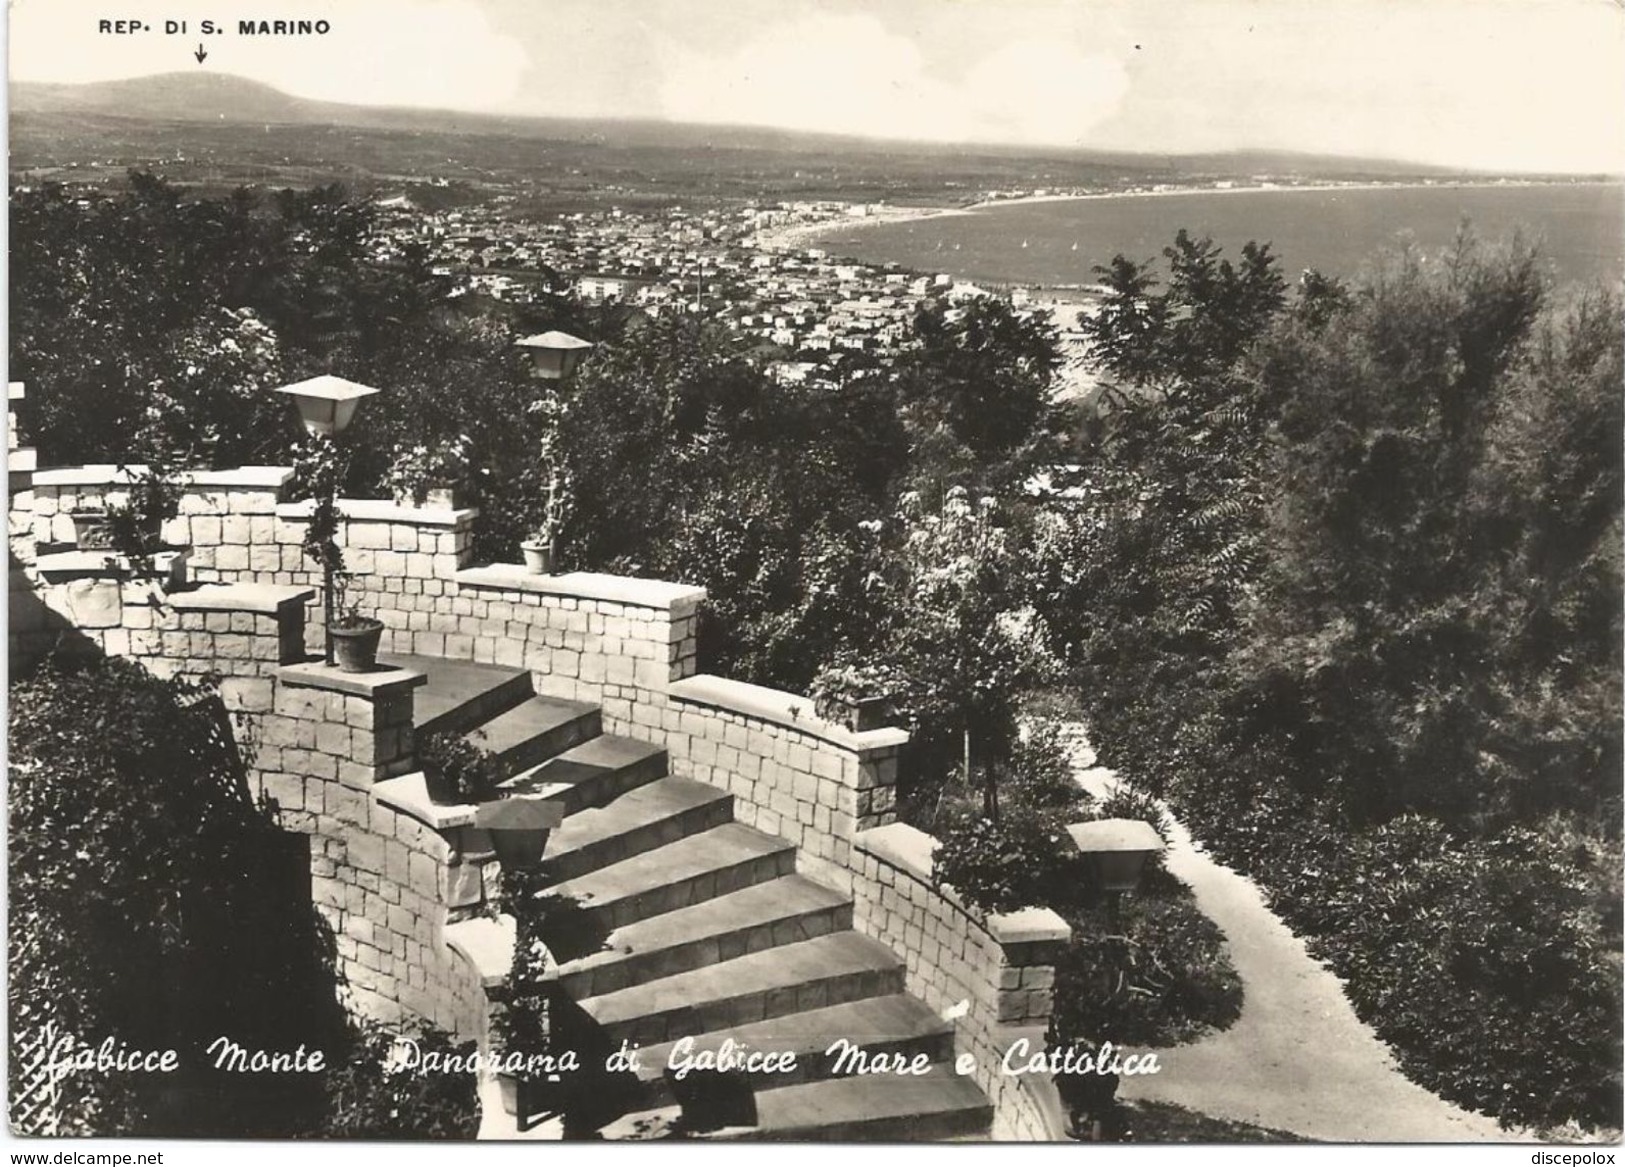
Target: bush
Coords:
[[1021, 860], [1162, 979], [369, 1097], [457, 769], [1490, 965], [153, 903]]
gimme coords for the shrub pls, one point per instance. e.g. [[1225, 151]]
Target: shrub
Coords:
[[1162, 979], [1022, 859], [1490, 965], [371, 1096], [457, 769]]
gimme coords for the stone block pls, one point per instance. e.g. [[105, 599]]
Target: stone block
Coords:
[[89, 603], [235, 529]]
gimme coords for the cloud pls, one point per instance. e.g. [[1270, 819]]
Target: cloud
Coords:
[[435, 53], [850, 75]]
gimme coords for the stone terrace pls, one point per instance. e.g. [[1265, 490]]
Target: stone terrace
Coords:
[[740, 853]]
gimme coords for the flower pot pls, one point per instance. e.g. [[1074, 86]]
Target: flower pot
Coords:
[[512, 1088], [92, 531], [538, 557], [355, 646], [442, 790]]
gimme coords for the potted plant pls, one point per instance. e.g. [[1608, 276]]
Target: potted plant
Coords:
[[856, 696], [456, 770], [135, 526], [432, 474], [538, 551], [522, 1028], [541, 548], [355, 637]]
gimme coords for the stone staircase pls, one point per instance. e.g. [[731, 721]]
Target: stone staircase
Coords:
[[708, 932]]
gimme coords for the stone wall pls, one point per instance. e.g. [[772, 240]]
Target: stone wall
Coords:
[[389, 878], [997, 973], [380, 877], [792, 774]]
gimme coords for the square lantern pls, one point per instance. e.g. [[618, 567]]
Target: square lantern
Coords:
[[1119, 849], [326, 403], [554, 354]]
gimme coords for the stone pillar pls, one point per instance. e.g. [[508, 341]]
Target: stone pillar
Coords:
[[1031, 943], [353, 728]]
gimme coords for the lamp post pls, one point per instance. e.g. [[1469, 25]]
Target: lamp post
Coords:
[[327, 404], [554, 354], [1118, 849]]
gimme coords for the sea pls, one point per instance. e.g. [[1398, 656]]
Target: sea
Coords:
[[1579, 229]]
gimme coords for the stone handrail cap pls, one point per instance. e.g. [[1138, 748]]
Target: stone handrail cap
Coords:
[[269, 478], [487, 945], [94, 474], [249, 477], [241, 597], [1029, 926], [66, 565], [902, 846], [319, 675], [781, 708], [678, 599], [380, 510]]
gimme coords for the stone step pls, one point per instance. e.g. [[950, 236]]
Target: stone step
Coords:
[[811, 974], [780, 911], [689, 871], [897, 1024], [535, 730], [600, 770], [460, 695], [640, 820], [941, 1105]]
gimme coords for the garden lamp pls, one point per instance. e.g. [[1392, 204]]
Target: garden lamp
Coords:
[[327, 404], [1118, 848], [554, 354]]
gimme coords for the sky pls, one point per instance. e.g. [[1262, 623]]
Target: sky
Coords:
[[1506, 85]]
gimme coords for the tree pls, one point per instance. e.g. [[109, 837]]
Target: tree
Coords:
[[1440, 615], [154, 904], [688, 463], [975, 384]]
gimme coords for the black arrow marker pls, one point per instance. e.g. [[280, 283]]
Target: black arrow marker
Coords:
[[200, 54]]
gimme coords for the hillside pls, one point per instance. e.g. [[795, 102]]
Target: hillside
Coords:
[[190, 127]]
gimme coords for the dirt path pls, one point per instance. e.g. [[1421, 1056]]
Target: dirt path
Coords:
[[1298, 1059]]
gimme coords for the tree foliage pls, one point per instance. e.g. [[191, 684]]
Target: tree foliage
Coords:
[[154, 906], [1352, 561]]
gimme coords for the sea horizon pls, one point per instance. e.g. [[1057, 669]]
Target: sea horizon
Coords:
[[1055, 242]]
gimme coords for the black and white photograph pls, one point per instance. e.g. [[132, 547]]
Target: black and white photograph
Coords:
[[814, 571]]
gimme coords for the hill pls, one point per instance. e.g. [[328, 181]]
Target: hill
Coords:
[[190, 127]]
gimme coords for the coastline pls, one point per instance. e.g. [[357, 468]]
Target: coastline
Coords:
[[794, 236]]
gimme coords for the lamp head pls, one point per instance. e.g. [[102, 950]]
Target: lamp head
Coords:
[[1118, 848], [554, 354], [327, 403]]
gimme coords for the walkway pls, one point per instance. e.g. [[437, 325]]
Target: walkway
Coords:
[[1298, 1059]]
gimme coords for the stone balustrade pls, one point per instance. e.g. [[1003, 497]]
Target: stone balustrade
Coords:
[[381, 877], [385, 876], [792, 774], [994, 973]]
